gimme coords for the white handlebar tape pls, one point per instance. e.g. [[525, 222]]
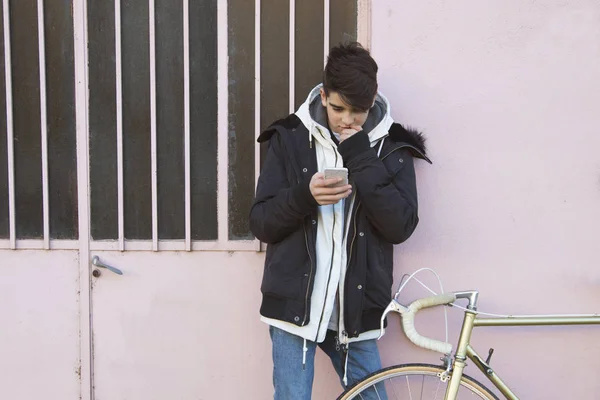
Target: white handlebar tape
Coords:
[[408, 323]]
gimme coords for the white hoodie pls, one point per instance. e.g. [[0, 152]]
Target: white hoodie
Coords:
[[332, 229]]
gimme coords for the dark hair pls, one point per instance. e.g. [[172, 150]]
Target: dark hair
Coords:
[[352, 73]]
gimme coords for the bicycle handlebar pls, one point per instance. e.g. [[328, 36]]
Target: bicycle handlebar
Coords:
[[408, 322]]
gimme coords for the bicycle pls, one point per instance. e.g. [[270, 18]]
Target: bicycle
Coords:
[[448, 379]]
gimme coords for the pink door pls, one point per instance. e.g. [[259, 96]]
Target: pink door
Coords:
[[127, 133]]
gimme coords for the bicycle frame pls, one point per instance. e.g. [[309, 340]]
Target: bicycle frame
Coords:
[[464, 349]]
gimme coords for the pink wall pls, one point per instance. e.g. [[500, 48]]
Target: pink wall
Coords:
[[508, 94]]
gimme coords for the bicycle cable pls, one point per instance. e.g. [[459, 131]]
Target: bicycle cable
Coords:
[[412, 276]]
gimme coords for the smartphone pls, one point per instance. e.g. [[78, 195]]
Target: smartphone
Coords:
[[337, 173]]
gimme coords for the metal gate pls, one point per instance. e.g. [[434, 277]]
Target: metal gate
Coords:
[[129, 126]]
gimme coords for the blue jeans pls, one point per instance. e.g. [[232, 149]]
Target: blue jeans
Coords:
[[292, 382]]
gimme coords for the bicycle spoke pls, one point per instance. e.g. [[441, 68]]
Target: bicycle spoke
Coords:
[[377, 392], [409, 392], [394, 389], [422, 386]]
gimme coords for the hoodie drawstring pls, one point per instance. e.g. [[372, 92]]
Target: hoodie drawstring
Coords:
[[380, 147], [304, 350], [346, 356]]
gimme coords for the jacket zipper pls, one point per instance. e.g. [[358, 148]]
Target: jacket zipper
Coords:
[[344, 334], [332, 254], [309, 278], [306, 310], [339, 310], [354, 234], [328, 281]]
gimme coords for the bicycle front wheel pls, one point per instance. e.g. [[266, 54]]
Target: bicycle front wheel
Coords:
[[413, 381]]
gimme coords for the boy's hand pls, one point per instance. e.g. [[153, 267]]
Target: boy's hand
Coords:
[[346, 133], [323, 194]]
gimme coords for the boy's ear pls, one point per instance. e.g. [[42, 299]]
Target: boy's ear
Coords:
[[323, 97]]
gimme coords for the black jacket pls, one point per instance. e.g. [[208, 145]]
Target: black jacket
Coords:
[[284, 216]]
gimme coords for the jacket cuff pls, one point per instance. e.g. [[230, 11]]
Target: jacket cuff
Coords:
[[354, 145], [304, 198]]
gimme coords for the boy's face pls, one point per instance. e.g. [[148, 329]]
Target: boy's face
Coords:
[[340, 115]]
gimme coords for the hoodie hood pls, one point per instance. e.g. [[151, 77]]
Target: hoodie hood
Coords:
[[313, 115]]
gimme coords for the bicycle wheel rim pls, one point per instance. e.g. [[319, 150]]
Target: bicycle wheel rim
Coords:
[[413, 381]]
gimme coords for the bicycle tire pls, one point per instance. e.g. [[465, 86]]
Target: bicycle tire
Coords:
[[467, 383]]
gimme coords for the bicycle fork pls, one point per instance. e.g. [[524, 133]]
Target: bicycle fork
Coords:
[[460, 357]]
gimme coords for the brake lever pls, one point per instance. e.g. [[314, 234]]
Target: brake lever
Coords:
[[393, 306]]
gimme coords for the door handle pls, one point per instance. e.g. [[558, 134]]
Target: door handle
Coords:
[[96, 262]]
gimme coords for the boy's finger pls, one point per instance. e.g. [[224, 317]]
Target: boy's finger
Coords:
[[331, 181], [329, 199], [322, 182], [335, 197], [330, 191], [319, 176]]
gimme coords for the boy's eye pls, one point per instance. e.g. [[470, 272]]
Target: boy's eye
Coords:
[[337, 109]]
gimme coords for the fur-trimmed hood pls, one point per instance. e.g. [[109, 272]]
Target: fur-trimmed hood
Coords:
[[411, 137]]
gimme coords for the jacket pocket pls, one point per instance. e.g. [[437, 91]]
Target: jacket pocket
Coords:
[[379, 278], [286, 267]]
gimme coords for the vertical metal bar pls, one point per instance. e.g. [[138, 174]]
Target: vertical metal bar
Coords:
[[186, 122], [43, 122], [152, 12], [222, 122], [119, 102], [292, 54], [460, 356], [257, 106], [83, 199], [9, 124], [363, 23], [326, 16]]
